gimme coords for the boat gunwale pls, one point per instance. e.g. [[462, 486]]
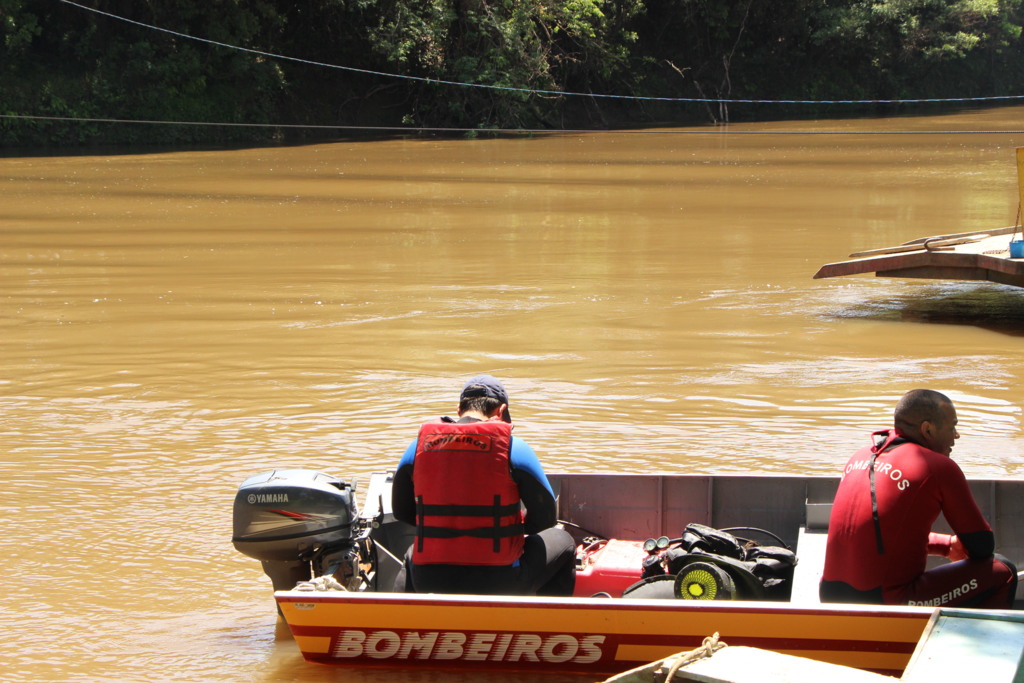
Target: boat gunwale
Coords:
[[603, 604]]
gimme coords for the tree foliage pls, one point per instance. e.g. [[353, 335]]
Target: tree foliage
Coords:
[[403, 60]]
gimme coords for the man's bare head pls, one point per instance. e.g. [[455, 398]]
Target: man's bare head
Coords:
[[927, 417]]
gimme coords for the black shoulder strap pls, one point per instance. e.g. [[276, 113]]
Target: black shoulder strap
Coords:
[[874, 506], [883, 447]]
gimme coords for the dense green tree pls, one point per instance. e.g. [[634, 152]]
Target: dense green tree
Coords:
[[62, 61], [513, 47], [474, 64], [907, 48], [831, 49]]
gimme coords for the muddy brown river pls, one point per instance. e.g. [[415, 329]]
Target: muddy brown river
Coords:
[[174, 321]]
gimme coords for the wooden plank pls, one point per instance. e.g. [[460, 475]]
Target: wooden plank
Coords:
[[980, 233], [931, 245]]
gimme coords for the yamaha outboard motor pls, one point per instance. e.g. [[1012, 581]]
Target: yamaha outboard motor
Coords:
[[301, 525]]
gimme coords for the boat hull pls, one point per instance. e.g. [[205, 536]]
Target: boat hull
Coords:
[[594, 635], [601, 635]]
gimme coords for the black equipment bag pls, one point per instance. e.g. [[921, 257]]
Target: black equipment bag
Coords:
[[757, 572]]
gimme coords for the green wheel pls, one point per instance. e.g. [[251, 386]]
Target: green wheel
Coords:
[[704, 581]]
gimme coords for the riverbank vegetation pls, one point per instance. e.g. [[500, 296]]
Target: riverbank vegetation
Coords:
[[480, 64]]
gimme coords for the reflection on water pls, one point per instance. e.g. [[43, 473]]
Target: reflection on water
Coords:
[[989, 307], [176, 321]]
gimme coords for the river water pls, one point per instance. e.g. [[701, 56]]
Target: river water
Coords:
[[174, 321]]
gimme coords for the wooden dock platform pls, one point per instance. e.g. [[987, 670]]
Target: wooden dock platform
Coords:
[[965, 256], [980, 255]]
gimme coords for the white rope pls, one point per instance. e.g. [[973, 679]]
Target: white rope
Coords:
[[710, 646]]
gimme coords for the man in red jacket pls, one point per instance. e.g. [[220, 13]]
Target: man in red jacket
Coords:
[[879, 534], [482, 506]]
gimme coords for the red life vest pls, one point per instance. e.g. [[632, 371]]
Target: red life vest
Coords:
[[467, 505]]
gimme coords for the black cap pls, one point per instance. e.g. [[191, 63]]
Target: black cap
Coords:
[[485, 385]]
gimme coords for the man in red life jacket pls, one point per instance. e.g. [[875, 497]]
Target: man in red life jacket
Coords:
[[482, 506], [879, 533]]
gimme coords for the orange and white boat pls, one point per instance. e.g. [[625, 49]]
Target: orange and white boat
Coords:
[[278, 519]]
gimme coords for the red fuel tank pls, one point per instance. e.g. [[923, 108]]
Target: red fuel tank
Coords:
[[609, 566]]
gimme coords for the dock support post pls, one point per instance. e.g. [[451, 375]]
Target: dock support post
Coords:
[[1020, 182]]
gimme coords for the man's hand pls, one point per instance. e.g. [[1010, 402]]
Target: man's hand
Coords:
[[956, 550]]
